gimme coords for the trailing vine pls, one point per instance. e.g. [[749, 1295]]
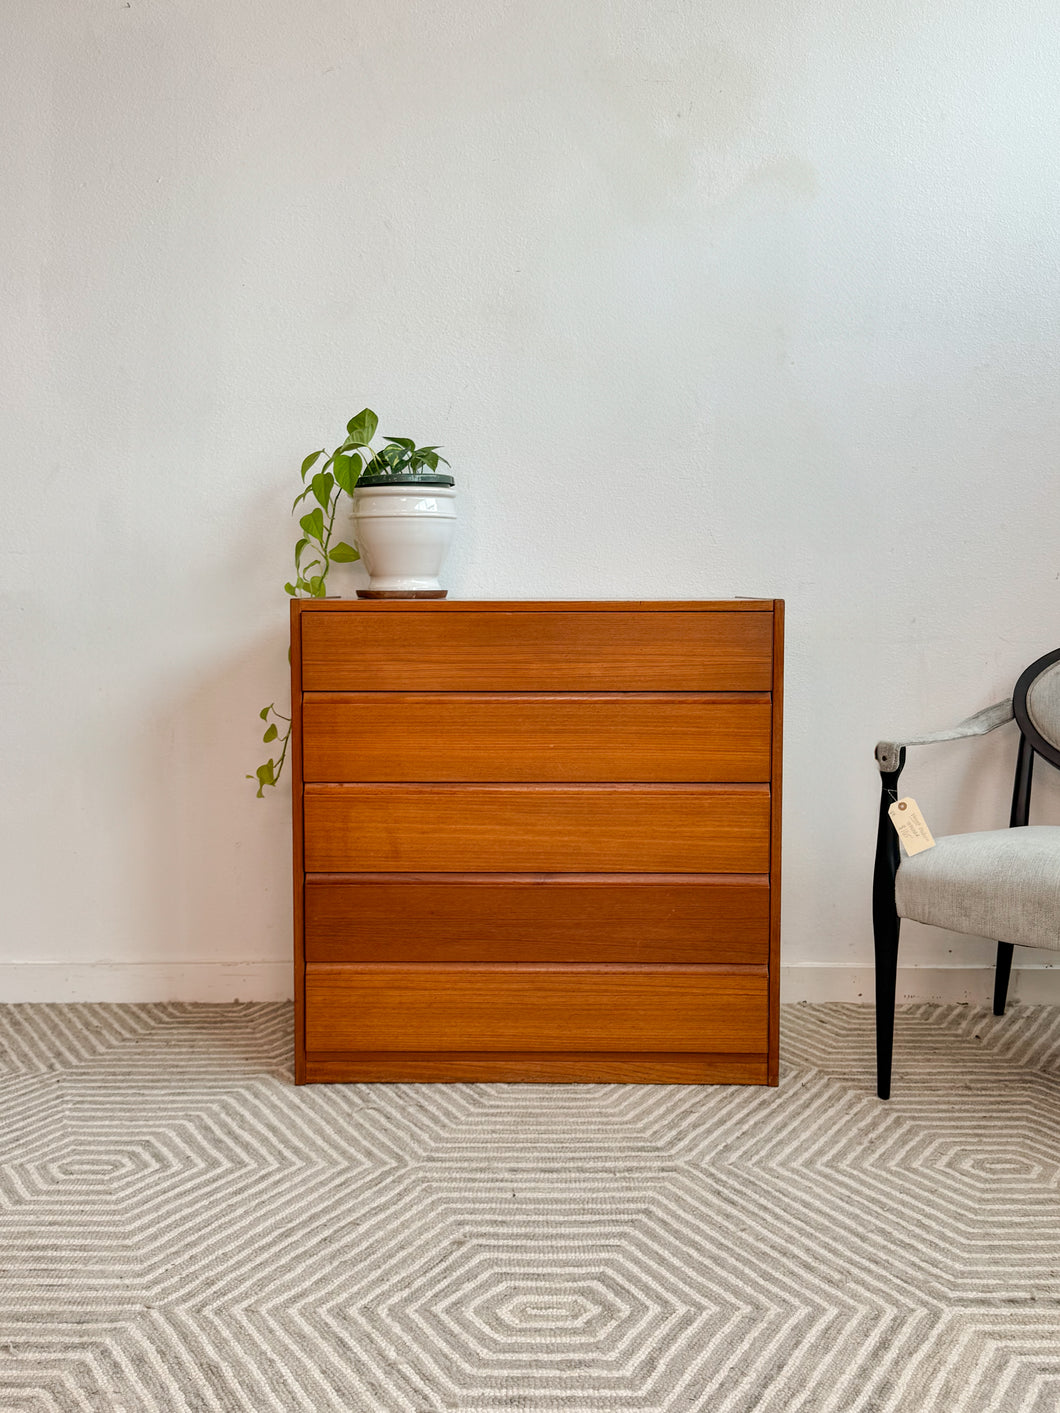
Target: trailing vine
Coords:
[[314, 554]]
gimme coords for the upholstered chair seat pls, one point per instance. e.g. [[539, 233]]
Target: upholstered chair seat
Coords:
[[1000, 883]]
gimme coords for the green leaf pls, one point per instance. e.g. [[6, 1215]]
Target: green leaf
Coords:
[[362, 428], [294, 504], [347, 469], [311, 460], [323, 483], [313, 524], [266, 775], [271, 733], [426, 457], [343, 553], [299, 547], [264, 712], [403, 441], [290, 589], [316, 586]]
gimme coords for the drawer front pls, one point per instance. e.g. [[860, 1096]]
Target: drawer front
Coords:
[[465, 1008], [616, 651], [689, 919], [510, 828], [496, 737]]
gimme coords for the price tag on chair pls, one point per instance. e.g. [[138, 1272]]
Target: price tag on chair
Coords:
[[912, 829]]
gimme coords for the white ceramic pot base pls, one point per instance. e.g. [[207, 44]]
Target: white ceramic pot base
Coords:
[[403, 533]]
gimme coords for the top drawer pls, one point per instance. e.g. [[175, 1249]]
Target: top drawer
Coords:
[[616, 650]]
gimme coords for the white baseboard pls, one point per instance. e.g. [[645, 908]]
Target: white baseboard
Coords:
[[273, 981], [146, 981], [1040, 985]]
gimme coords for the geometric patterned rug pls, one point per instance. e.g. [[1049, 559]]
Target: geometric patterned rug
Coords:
[[184, 1231]]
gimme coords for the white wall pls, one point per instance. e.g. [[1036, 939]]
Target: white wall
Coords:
[[703, 299]]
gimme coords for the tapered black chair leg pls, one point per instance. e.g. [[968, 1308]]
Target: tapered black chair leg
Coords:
[[1001, 975], [886, 934], [885, 926]]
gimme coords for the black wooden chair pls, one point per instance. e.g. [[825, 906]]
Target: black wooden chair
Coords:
[[1002, 883]]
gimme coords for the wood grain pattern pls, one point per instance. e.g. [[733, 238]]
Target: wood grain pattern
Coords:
[[563, 918], [494, 651], [450, 736], [597, 799], [528, 1067], [408, 1007], [776, 774], [562, 828], [297, 851], [335, 604]]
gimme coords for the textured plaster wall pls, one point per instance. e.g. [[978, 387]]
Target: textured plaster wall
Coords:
[[739, 297]]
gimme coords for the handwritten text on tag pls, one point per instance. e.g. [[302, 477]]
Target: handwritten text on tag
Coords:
[[912, 830]]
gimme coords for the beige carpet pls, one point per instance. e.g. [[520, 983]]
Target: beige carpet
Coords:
[[182, 1229]]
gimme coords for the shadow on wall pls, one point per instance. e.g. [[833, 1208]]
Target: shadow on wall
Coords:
[[210, 887]]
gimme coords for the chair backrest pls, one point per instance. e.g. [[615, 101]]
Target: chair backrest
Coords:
[[1036, 706]]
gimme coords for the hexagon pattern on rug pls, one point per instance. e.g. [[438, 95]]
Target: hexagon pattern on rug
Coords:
[[183, 1229]]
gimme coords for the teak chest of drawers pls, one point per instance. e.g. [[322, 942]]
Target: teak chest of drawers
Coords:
[[537, 841]]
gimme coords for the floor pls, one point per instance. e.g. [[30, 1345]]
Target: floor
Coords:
[[182, 1229]]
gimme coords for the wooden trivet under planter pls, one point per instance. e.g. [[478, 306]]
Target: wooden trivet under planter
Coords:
[[402, 593]]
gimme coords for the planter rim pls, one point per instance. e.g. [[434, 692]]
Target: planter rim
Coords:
[[406, 479]]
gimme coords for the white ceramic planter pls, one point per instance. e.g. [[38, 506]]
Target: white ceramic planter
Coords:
[[403, 533]]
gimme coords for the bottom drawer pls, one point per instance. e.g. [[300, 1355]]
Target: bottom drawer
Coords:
[[446, 1008]]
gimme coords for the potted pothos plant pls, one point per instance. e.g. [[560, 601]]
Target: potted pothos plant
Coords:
[[403, 516]]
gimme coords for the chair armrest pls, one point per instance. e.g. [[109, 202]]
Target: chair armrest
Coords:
[[889, 753]]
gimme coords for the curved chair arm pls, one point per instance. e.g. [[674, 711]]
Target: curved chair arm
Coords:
[[889, 754]]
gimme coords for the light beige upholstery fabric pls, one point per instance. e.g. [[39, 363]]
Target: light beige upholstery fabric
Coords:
[[989, 719], [1043, 703], [999, 883]]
